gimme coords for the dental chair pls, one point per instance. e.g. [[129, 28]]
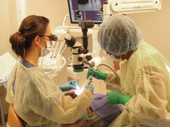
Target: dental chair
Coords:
[[13, 119]]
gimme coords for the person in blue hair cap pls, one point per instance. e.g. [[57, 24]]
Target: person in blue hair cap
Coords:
[[144, 75]]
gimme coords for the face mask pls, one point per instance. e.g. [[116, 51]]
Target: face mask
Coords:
[[113, 58], [45, 51]]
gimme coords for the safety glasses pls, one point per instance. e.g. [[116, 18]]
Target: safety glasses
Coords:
[[106, 52], [51, 37]]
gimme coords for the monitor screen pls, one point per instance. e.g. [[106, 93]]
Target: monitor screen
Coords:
[[86, 10]]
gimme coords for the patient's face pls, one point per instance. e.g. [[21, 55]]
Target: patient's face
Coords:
[[70, 95]]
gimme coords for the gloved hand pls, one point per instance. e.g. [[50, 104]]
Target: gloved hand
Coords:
[[116, 97], [68, 86], [97, 74], [90, 86]]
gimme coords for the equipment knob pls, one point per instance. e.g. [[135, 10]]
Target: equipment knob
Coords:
[[80, 59], [88, 57]]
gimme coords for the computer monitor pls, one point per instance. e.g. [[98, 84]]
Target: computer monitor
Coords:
[[85, 10]]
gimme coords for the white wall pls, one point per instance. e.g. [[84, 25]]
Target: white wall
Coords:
[[52, 9], [8, 25], [155, 26]]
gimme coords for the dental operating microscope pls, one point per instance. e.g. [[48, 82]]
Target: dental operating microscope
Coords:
[[81, 58], [79, 53]]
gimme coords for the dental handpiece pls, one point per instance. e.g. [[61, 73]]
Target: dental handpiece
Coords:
[[87, 82], [73, 83]]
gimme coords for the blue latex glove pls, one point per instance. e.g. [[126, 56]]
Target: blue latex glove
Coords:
[[97, 74], [90, 86], [68, 86], [116, 97]]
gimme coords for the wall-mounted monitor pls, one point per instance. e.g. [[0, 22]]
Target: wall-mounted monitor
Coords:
[[86, 10]]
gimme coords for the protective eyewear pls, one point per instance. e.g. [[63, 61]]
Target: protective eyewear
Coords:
[[106, 52], [51, 37]]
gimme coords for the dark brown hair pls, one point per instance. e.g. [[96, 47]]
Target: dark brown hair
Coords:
[[30, 27]]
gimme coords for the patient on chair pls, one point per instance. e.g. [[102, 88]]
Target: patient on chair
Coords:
[[99, 114]]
